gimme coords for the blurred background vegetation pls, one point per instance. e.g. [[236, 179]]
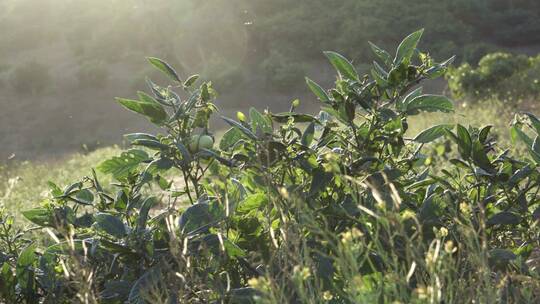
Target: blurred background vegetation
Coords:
[[63, 61]]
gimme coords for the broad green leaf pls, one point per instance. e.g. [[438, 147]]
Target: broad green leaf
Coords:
[[536, 145], [27, 256], [165, 68], [259, 121], [406, 48], [318, 91], [519, 175], [342, 65], [40, 216], [439, 69], [205, 92], [85, 197], [431, 134], [153, 111], [398, 74], [110, 224], [380, 70], [121, 166], [402, 103], [191, 80], [192, 100], [429, 103], [459, 163], [138, 136], [159, 92], [150, 144], [383, 55], [240, 127], [143, 213], [232, 249], [296, 117], [464, 141], [484, 132], [230, 138], [421, 184], [218, 245], [54, 189], [186, 155], [480, 157], [252, 202], [379, 78], [215, 155], [159, 164], [69, 190], [121, 200], [65, 248], [24, 269], [199, 217], [143, 97], [516, 133], [339, 115], [307, 137], [535, 122]]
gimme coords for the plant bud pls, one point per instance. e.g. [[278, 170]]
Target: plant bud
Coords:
[[240, 116]]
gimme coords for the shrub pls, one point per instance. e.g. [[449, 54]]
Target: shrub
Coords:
[[289, 207], [498, 66], [31, 78], [502, 75]]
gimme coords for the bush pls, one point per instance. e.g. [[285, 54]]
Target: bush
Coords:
[[31, 78], [290, 207], [502, 75]]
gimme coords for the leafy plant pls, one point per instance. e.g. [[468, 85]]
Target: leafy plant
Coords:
[[290, 207], [511, 77]]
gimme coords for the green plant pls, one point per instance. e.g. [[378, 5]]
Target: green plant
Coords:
[[289, 207], [500, 75]]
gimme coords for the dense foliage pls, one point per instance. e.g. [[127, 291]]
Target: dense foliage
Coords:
[[289, 207], [501, 75], [257, 31]]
